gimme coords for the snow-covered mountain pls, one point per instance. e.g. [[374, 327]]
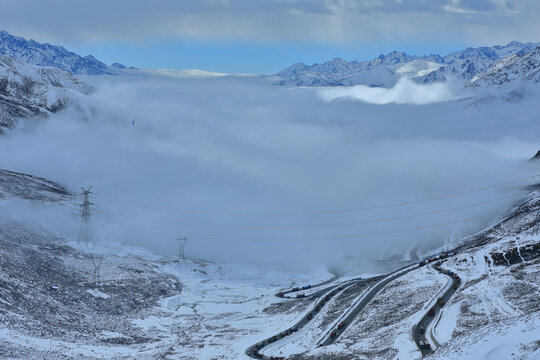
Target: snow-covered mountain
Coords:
[[27, 90], [36, 53], [382, 71], [387, 69], [518, 67], [467, 63]]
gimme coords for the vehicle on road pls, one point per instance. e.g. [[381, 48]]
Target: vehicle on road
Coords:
[[341, 325], [299, 296], [422, 329], [333, 334], [424, 344], [280, 294], [440, 301], [431, 312]]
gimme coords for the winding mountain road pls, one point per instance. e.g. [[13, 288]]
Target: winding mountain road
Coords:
[[342, 323], [349, 317], [283, 293], [325, 295], [423, 328]]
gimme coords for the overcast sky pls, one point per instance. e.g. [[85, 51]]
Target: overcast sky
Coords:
[[264, 36]]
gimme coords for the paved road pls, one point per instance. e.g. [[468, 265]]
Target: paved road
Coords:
[[427, 319], [369, 295], [327, 293], [255, 350], [300, 289]]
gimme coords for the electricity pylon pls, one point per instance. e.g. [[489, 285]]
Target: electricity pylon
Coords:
[[96, 262], [85, 232], [181, 245]]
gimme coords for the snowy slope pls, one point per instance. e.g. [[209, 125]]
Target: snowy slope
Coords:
[[23, 186], [417, 68], [495, 313], [36, 53], [27, 90], [519, 67], [55, 302], [467, 63]]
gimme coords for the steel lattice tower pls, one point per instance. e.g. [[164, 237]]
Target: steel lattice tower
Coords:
[[85, 232], [181, 244]]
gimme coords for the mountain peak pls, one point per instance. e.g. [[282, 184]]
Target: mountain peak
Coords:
[[35, 53], [392, 58], [515, 43]]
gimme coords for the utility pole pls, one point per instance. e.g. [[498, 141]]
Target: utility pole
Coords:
[[181, 245], [85, 232]]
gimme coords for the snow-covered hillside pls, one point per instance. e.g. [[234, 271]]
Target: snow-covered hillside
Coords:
[[28, 187], [61, 299], [27, 90], [519, 67], [35, 53], [386, 70]]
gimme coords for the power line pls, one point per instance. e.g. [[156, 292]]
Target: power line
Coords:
[[303, 226], [324, 238], [322, 212]]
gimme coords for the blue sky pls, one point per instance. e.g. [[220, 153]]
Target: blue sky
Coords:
[[241, 57], [264, 36]]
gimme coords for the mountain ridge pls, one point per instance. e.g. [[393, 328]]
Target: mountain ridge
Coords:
[[517, 67], [45, 54], [464, 65]]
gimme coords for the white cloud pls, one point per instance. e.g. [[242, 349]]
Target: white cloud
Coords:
[[404, 92]]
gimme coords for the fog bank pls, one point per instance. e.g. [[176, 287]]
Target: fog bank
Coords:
[[256, 173]]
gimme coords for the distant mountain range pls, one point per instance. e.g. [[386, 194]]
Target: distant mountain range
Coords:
[[483, 66], [35, 53], [386, 70]]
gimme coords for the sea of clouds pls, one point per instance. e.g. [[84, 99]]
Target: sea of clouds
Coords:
[[258, 173]]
